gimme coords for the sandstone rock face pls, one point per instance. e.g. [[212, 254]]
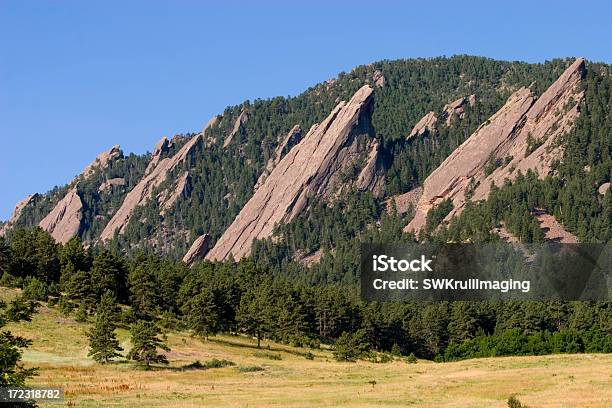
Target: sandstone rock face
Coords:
[[102, 161], [64, 221], [313, 168], [427, 123], [404, 202], [290, 140], [379, 79], [198, 249], [553, 231], [17, 212], [240, 121], [370, 178], [168, 198], [456, 109], [503, 140], [161, 148], [108, 184], [144, 189]]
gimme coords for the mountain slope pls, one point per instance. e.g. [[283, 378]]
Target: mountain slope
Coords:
[[418, 116]]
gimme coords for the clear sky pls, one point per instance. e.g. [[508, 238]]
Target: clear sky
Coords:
[[77, 77]]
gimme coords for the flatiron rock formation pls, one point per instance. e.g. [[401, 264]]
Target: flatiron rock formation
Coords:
[[17, 212], [154, 176], [313, 168], [241, 120], [102, 161], [456, 109], [198, 249], [290, 140], [520, 136], [427, 123], [64, 221]]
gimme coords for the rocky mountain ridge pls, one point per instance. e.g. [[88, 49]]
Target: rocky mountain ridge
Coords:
[[261, 168]]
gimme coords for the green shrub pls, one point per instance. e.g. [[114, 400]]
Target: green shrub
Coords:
[[514, 402], [250, 369], [33, 289], [214, 363], [411, 359]]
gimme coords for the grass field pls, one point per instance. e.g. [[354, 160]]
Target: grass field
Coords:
[[60, 350]]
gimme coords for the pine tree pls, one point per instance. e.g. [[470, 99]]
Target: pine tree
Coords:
[[145, 344], [144, 291], [103, 343], [109, 273], [11, 346], [202, 313]]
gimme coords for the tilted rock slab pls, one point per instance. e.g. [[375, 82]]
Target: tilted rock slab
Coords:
[[290, 140], [427, 123], [102, 161], [198, 249], [311, 169], [143, 191], [503, 136], [64, 221], [241, 120], [17, 212]]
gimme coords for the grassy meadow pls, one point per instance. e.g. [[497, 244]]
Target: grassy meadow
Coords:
[[282, 376]]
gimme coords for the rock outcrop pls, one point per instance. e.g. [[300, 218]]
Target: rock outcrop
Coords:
[[404, 202], [102, 161], [108, 184], [604, 188], [498, 149], [379, 79], [161, 148], [64, 221], [198, 249], [315, 167], [167, 198], [427, 123], [290, 140], [241, 120], [553, 231], [456, 109], [17, 212], [143, 191]]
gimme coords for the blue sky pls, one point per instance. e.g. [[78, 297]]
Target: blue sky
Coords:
[[78, 77]]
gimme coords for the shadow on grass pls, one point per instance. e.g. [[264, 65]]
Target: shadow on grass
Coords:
[[254, 347]]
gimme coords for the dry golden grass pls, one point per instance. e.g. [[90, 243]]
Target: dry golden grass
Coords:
[[60, 349]]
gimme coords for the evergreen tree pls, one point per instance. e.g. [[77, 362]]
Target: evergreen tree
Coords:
[[145, 344], [202, 313], [109, 274], [351, 346], [144, 290], [103, 343], [12, 373]]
